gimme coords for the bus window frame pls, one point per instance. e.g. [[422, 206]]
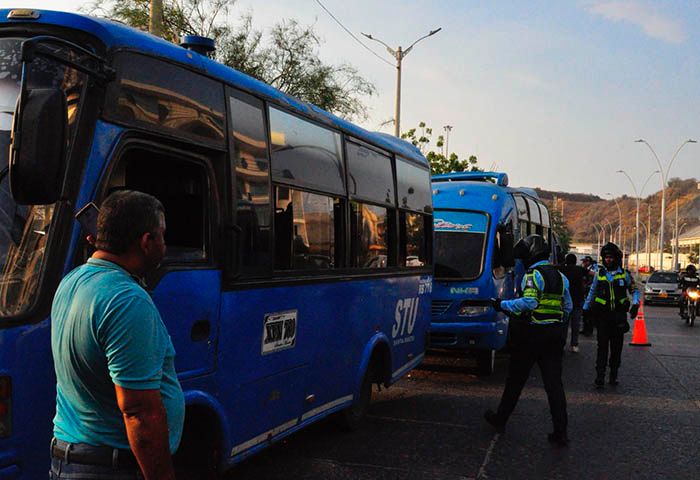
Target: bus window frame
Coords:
[[213, 210]]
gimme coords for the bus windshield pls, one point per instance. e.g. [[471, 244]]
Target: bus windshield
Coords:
[[24, 229], [460, 240]]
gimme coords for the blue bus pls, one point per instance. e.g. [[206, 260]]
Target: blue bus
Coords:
[[299, 265], [477, 220]]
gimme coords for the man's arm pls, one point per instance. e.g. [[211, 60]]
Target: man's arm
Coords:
[[147, 429], [632, 287]]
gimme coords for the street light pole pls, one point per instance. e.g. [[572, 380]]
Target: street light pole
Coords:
[[638, 197], [678, 233], [448, 129], [664, 181], [619, 213], [399, 54]]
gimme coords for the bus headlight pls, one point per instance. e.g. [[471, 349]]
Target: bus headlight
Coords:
[[472, 310]]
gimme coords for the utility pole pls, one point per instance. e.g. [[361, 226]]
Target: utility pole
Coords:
[[399, 54], [649, 236], [155, 19]]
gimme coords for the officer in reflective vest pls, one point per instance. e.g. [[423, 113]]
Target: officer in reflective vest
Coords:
[[537, 322], [609, 304]]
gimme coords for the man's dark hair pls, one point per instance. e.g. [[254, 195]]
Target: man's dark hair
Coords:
[[124, 217], [570, 259]]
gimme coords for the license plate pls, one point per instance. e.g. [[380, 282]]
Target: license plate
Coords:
[[663, 295]]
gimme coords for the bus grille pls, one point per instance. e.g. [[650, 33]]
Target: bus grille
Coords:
[[440, 306]]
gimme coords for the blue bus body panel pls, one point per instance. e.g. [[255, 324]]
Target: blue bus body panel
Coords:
[[322, 372], [488, 330], [119, 36]]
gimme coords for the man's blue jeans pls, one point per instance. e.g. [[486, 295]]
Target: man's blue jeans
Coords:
[[62, 470]]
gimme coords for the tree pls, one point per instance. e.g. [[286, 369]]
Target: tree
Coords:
[[560, 229], [422, 136], [287, 58]]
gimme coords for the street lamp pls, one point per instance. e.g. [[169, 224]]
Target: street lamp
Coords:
[[619, 213], [598, 232], [678, 234], [638, 198], [611, 230], [399, 55], [664, 180], [448, 129]]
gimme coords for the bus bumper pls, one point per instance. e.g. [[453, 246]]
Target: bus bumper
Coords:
[[469, 336]]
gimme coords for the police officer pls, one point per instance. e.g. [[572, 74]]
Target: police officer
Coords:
[[689, 280], [536, 335], [608, 301]]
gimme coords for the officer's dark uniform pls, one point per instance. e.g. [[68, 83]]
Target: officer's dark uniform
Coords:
[[536, 336], [689, 280], [608, 302]]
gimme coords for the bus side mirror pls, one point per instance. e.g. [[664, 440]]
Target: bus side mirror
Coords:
[[506, 249], [38, 147]]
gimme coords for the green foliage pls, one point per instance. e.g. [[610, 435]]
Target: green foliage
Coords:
[[560, 229], [422, 136], [286, 57]]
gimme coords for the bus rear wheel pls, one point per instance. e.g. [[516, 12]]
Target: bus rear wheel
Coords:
[[352, 417]]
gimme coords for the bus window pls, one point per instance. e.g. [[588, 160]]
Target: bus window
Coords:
[[545, 215], [251, 170], [534, 212], [414, 240], [460, 244], [304, 154], [306, 228], [523, 217], [181, 186], [370, 175], [413, 185], [371, 230]]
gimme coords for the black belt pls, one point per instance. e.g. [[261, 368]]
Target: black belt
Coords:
[[90, 455]]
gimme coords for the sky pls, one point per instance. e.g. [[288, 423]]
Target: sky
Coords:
[[552, 92]]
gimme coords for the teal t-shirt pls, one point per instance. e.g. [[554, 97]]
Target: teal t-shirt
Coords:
[[106, 330]]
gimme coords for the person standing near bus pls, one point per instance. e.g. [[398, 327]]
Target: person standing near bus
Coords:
[[591, 268], [119, 405], [536, 332], [608, 301], [576, 275]]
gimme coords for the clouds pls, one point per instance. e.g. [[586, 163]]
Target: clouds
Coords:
[[649, 19]]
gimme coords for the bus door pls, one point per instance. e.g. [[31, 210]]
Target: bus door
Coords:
[[186, 288]]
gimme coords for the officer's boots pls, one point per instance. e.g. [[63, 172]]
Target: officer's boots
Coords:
[[599, 381], [613, 377]]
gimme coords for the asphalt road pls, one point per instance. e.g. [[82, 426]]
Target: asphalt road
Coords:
[[430, 426]]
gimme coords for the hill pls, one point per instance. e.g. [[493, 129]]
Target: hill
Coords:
[[581, 211]]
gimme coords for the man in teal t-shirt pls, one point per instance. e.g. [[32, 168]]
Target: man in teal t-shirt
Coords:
[[119, 405]]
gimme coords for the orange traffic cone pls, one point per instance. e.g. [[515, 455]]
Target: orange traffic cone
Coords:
[[639, 334]]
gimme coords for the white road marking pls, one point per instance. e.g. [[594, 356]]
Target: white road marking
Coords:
[[482, 470]]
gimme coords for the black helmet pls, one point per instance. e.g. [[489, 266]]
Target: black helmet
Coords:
[[611, 249], [691, 270], [531, 249]]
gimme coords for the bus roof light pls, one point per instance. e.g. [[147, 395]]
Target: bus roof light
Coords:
[[23, 14], [202, 45]]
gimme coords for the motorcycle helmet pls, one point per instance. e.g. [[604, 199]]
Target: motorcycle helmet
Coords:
[[611, 249], [531, 249], [690, 270]]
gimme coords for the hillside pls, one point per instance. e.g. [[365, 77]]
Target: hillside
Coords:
[[581, 211]]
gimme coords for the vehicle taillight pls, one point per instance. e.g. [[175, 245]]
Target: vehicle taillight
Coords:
[[5, 406]]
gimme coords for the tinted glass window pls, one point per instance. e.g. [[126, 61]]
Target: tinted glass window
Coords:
[[413, 184], [156, 94], [534, 211], [545, 215], [251, 170], [413, 240], [305, 154], [369, 174], [663, 277], [460, 244], [371, 229], [522, 207], [305, 230]]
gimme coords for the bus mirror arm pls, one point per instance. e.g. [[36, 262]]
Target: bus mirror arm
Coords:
[[506, 249]]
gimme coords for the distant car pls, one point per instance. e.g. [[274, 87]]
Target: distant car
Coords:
[[662, 287]]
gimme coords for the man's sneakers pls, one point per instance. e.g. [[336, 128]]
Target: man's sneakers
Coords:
[[495, 421], [558, 439]]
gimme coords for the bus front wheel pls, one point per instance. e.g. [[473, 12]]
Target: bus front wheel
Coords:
[[485, 361], [351, 418]]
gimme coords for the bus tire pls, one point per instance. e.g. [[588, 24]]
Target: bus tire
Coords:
[[199, 453], [352, 417], [485, 361]]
